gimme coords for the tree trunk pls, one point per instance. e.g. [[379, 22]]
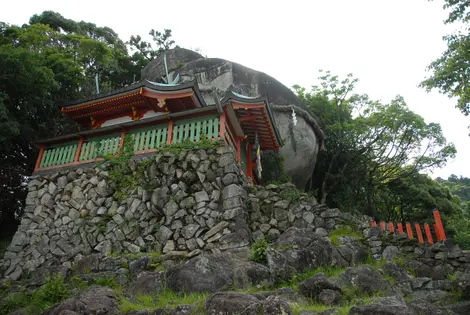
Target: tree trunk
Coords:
[[371, 209]]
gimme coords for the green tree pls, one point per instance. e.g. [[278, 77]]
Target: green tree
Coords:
[[450, 73], [42, 64], [369, 144]]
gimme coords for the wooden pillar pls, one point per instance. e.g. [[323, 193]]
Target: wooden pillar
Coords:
[[40, 156], [436, 230], [391, 227], [249, 166], [239, 149], [121, 141], [428, 233], [400, 228], [79, 149], [439, 225], [169, 137], [222, 125], [418, 233], [409, 231]]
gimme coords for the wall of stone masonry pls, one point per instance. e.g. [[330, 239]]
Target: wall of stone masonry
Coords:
[[436, 261], [274, 208], [199, 204]]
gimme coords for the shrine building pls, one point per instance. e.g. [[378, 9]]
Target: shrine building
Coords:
[[156, 115]]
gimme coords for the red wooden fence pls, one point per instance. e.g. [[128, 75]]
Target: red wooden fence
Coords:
[[438, 228]]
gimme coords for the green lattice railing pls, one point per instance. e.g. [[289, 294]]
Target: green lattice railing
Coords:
[[146, 139], [194, 129]]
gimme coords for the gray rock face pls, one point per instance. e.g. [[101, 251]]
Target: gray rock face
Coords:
[[213, 272], [298, 250], [365, 279], [94, 301], [315, 285], [228, 303], [390, 305], [147, 283]]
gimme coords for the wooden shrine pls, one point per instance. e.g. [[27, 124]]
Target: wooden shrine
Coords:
[[156, 115]]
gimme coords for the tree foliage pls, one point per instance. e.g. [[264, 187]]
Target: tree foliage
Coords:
[[371, 147], [450, 73], [42, 64]]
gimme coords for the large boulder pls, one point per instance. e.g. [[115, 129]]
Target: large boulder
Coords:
[[301, 142], [94, 301], [228, 303], [296, 251], [390, 305], [213, 272], [313, 286], [363, 279]]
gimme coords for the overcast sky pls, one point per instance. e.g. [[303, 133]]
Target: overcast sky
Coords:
[[387, 44]]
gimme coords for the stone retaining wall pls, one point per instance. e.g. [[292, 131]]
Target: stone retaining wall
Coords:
[[436, 261], [198, 204]]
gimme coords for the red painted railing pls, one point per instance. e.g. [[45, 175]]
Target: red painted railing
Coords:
[[438, 228]]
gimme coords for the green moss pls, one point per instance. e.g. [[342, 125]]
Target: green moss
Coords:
[[343, 231]]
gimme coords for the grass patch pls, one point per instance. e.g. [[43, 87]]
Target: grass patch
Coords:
[[342, 310], [166, 298], [331, 272], [53, 291], [343, 231]]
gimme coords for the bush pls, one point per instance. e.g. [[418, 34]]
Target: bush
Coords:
[[52, 292], [258, 250], [273, 168]]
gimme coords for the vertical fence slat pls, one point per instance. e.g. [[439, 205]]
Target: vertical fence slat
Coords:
[[142, 140], [152, 142], [186, 132], [147, 140], [382, 225], [439, 225], [164, 137], [136, 141], [391, 227], [428, 233], [374, 224], [66, 157], [418, 233], [180, 134], [216, 127], [400, 228], [175, 134], [204, 128], [198, 131], [191, 135], [45, 158], [159, 134], [72, 155], [210, 129], [409, 231]]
